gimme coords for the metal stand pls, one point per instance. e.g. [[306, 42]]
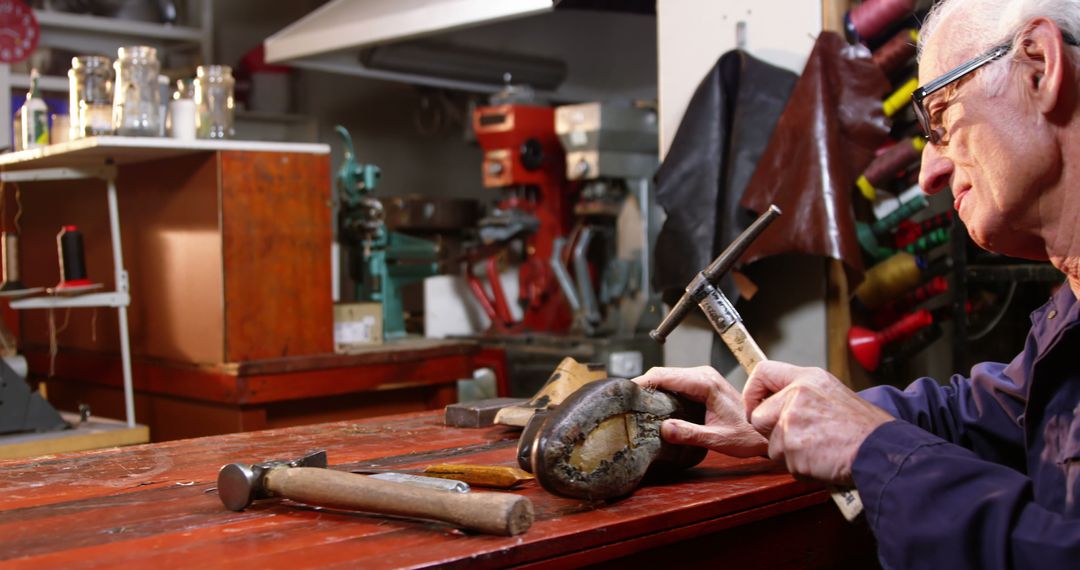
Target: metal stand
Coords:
[[120, 298]]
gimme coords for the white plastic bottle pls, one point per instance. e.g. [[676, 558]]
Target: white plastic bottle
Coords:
[[35, 116]]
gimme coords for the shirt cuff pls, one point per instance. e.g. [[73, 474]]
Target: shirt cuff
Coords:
[[880, 458]]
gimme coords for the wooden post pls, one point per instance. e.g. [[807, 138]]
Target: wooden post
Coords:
[[837, 305]]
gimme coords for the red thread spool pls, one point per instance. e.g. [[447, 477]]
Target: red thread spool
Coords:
[[891, 312], [897, 52], [866, 344], [928, 241], [907, 231], [892, 161], [873, 17]]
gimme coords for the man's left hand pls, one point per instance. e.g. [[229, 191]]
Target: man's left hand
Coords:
[[815, 424]]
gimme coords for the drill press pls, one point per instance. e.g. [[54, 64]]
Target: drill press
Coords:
[[612, 149], [523, 160], [576, 254], [381, 262]]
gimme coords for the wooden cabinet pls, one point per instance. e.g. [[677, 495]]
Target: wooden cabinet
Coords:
[[227, 250]]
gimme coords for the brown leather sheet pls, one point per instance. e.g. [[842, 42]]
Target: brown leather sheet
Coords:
[[826, 136]]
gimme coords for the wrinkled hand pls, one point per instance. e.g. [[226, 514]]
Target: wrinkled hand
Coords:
[[815, 424], [726, 429]]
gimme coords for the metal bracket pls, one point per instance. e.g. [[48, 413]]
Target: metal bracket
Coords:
[[720, 312]]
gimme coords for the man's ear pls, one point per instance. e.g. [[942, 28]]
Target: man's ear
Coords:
[[1045, 68]]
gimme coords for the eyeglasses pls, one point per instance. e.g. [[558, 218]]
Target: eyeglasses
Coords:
[[936, 134]]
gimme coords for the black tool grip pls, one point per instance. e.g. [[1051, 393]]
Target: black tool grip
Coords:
[[673, 318], [727, 258]]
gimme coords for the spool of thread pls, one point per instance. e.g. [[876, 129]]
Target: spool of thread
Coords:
[[889, 279], [892, 311], [12, 278], [69, 243], [866, 344], [928, 241], [922, 244], [907, 231], [899, 98], [887, 165], [869, 235], [874, 17], [897, 52]]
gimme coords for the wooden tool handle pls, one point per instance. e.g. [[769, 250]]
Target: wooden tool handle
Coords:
[[849, 501], [497, 476], [743, 346], [749, 354], [493, 513]]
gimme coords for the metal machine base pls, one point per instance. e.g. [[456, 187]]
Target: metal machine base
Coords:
[[530, 358]]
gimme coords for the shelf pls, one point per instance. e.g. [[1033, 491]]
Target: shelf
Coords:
[[116, 26], [94, 151], [108, 299], [95, 433], [1010, 273]]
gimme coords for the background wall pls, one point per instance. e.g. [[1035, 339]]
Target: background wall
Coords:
[[691, 36], [418, 135], [610, 56]]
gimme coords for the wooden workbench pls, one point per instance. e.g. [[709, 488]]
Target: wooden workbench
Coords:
[[178, 401], [155, 506]]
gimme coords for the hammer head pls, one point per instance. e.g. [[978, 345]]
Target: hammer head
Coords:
[[710, 276], [239, 484]]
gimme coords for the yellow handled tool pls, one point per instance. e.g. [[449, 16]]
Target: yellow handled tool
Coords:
[[494, 476]]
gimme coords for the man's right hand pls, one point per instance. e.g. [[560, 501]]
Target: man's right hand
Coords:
[[726, 429]]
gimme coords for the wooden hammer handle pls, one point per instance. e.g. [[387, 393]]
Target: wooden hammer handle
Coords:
[[749, 354], [492, 513], [743, 346]]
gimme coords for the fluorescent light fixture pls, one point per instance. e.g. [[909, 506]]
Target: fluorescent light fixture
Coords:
[[345, 24], [465, 64]]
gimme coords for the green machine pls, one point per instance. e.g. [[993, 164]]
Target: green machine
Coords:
[[381, 262]]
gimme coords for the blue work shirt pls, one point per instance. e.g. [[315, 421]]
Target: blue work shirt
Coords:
[[984, 472]]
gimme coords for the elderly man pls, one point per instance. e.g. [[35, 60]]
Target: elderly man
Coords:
[[985, 471]]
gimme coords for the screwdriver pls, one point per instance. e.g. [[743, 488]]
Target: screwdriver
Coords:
[[494, 476]]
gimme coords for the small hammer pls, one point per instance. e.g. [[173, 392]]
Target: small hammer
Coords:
[[307, 480], [704, 292]]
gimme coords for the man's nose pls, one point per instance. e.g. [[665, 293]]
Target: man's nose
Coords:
[[936, 170]]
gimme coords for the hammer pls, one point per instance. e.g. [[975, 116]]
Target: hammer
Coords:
[[307, 480], [703, 292]]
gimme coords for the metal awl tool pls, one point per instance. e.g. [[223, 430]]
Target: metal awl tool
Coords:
[[704, 292], [494, 476]]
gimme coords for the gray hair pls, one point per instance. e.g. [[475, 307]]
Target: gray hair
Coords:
[[982, 24]]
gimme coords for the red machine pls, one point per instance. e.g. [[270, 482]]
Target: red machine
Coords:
[[523, 158]]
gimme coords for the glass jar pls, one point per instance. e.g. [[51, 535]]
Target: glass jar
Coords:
[[137, 99], [90, 91], [214, 100]]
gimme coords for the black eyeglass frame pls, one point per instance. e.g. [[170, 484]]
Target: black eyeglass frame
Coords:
[[924, 91], [947, 79]]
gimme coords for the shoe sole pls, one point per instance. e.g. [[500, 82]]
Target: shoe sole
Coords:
[[604, 439]]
